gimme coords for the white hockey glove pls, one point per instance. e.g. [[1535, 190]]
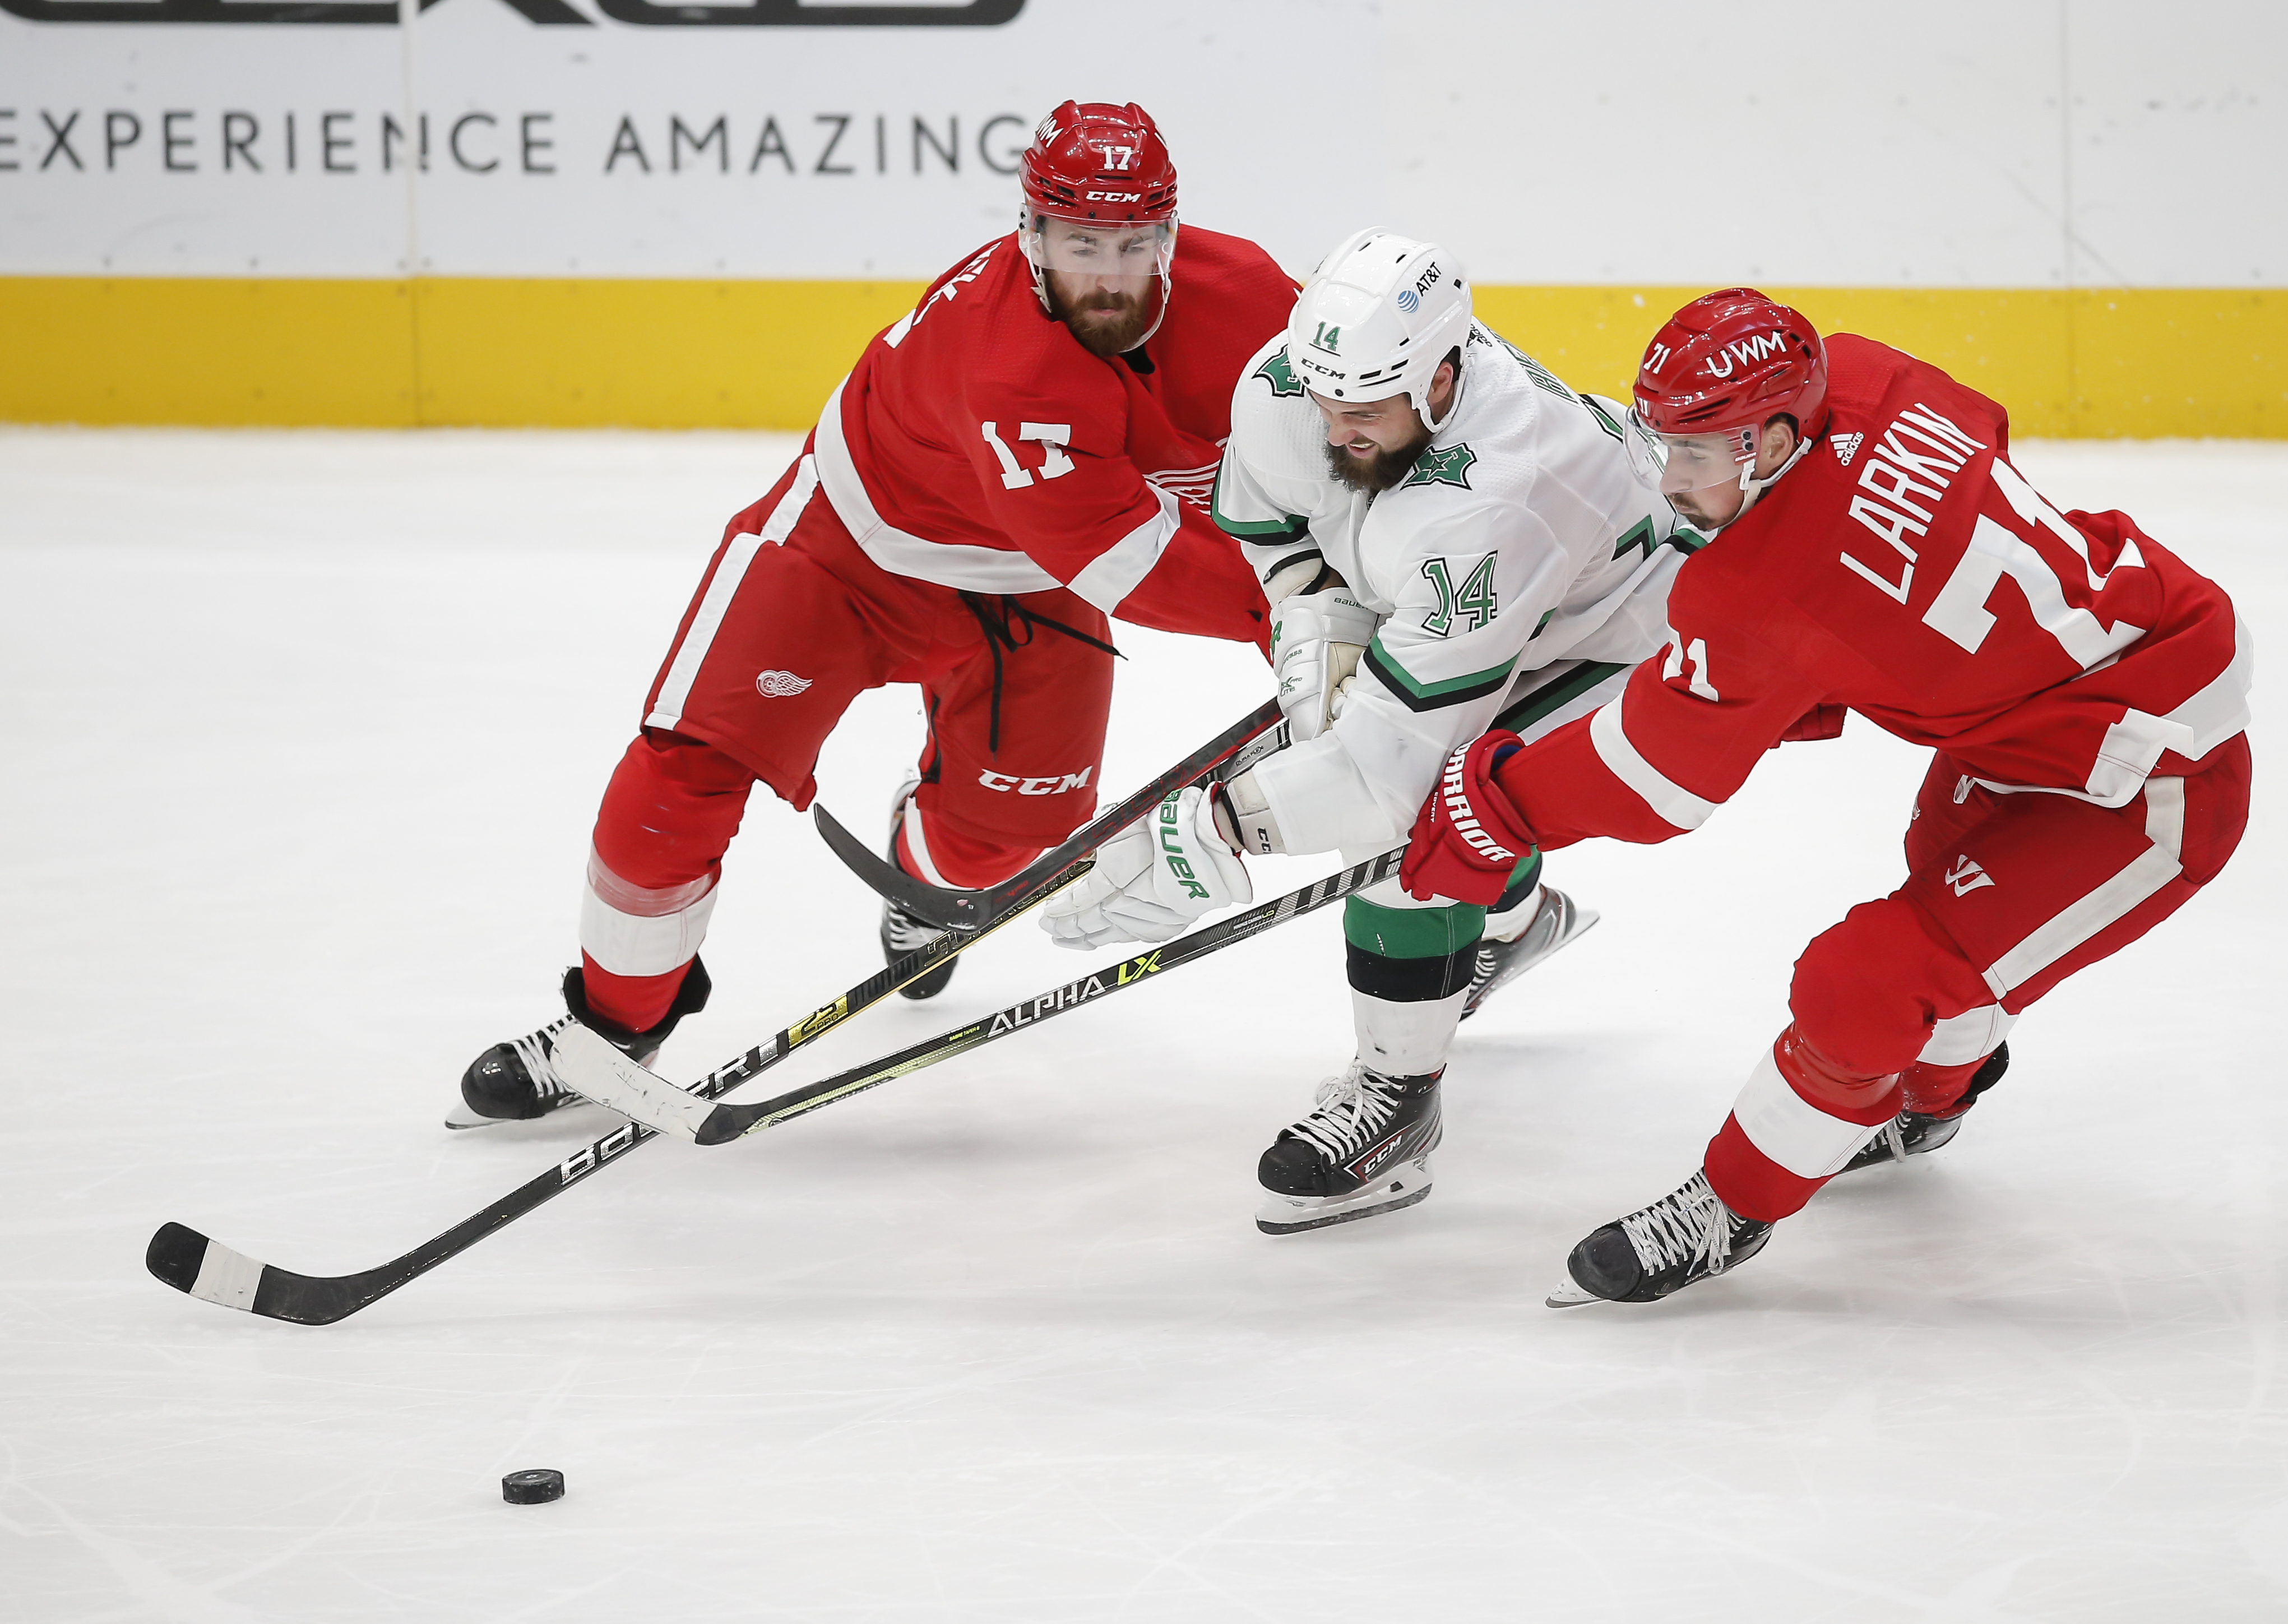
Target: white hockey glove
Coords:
[[1152, 880], [1317, 639]]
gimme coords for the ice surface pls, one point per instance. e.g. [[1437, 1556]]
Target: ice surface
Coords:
[[304, 734]]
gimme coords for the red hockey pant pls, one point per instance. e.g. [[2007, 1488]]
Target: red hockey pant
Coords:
[[2006, 896], [791, 622]]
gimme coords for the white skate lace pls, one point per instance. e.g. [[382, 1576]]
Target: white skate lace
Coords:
[[1689, 1225], [533, 1052], [1346, 1111], [907, 933]]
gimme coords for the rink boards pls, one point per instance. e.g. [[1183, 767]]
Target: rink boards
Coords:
[[673, 353]]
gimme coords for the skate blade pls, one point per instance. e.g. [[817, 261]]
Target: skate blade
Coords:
[[461, 1119], [1573, 923], [1293, 1215], [1569, 1295]]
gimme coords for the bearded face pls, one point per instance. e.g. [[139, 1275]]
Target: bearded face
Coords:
[[1108, 320], [1364, 464]]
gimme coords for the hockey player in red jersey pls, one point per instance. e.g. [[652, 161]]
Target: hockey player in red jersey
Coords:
[[2084, 693], [1028, 451]]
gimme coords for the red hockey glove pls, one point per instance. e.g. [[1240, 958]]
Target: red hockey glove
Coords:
[[1469, 840]]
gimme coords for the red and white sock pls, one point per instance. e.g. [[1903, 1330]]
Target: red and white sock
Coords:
[[1799, 1120]]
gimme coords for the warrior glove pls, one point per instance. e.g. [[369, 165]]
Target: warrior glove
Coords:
[[1468, 839], [1153, 879]]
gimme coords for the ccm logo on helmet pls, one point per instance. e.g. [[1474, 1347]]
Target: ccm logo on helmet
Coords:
[[1746, 352], [1114, 196], [1465, 817], [1005, 782]]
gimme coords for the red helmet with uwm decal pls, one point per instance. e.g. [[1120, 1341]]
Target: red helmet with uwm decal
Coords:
[[1732, 362], [1092, 161]]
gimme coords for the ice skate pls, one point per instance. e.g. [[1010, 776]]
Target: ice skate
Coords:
[[516, 1081], [1364, 1148], [1656, 1251], [1914, 1132], [902, 932], [1513, 946]]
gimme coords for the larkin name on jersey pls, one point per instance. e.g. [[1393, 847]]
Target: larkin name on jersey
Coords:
[[1906, 569]]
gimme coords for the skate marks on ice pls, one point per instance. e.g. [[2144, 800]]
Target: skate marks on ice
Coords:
[[1005, 1346]]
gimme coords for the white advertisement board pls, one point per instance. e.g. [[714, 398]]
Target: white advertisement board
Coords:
[[1949, 144]]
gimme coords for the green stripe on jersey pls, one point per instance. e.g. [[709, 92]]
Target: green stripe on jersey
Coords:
[[1252, 529], [1544, 701], [1434, 696]]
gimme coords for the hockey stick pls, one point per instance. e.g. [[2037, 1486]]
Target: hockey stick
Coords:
[[597, 1065], [1244, 742], [182, 1257]]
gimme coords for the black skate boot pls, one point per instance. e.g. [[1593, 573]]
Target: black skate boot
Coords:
[[516, 1081], [1554, 920], [1656, 1251], [1364, 1148], [902, 933], [1914, 1132]]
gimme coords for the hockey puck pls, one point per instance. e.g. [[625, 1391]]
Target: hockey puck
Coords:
[[536, 1487]]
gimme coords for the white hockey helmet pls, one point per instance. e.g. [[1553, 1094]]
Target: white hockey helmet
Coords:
[[1375, 318]]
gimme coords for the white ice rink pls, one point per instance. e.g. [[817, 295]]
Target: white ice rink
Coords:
[[304, 734]]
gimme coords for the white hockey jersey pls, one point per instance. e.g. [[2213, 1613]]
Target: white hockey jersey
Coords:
[[1521, 538]]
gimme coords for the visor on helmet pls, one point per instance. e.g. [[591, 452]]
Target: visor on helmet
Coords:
[[1647, 453], [1138, 249]]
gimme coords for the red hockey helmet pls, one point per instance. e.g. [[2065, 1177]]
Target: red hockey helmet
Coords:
[[1101, 204], [1092, 161], [1729, 362]]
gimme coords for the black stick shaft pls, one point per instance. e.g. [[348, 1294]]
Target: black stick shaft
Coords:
[[191, 1262], [729, 1122], [970, 909]]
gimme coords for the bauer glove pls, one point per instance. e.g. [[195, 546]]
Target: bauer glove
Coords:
[[1153, 879], [1317, 640]]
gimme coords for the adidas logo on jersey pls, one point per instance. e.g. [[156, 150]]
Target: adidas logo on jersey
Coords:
[[1847, 446]]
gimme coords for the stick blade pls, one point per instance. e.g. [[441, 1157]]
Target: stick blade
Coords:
[[945, 908], [199, 1267], [602, 1073], [174, 1256]]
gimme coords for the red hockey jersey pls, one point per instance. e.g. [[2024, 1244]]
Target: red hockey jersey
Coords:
[[1905, 569], [978, 445]]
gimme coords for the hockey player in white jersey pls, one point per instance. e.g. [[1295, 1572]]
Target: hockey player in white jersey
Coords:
[[1451, 539]]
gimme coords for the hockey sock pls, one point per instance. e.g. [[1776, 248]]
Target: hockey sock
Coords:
[[668, 815], [929, 849], [637, 1002], [1800, 1118], [1948, 1091], [1410, 975]]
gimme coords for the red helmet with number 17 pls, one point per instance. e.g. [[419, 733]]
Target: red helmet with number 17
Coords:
[[1100, 203], [1092, 161], [1730, 362]]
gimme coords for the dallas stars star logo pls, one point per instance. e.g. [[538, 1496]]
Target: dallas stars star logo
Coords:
[[1279, 374], [1443, 465]]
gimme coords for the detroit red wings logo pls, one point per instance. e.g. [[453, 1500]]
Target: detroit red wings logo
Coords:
[[779, 684], [1193, 485]]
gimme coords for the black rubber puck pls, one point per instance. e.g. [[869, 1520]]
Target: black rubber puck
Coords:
[[536, 1487]]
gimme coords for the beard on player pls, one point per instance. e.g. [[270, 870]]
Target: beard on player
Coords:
[[1107, 321], [1380, 470]]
